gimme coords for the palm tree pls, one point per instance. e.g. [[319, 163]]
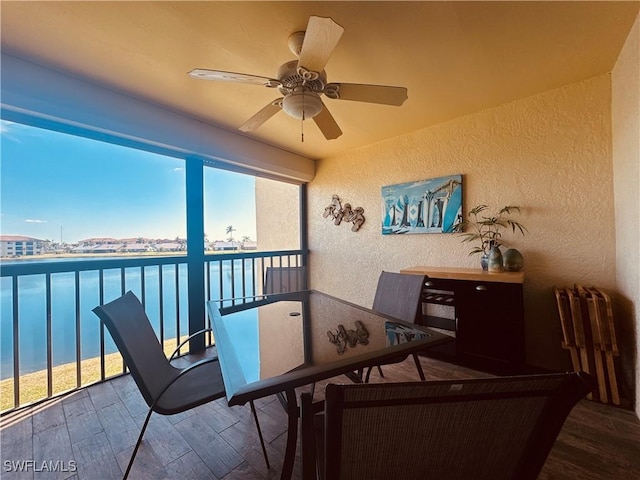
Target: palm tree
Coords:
[[230, 231], [245, 239]]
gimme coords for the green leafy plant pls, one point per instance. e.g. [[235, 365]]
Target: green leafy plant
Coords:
[[487, 229]]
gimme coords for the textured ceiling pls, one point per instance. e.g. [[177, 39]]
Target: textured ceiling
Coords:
[[455, 58]]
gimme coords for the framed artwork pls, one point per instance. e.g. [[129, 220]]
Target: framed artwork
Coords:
[[424, 206]]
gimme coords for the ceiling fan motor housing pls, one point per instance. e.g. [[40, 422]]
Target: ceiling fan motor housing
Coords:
[[292, 78]]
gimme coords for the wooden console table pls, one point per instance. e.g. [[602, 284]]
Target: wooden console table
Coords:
[[488, 319]]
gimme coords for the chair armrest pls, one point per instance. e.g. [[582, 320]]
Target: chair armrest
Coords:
[[183, 372], [204, 330]]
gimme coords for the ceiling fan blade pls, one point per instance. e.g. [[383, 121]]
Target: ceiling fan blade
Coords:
[[320, 39], [327, 124], [262, 116], [234, 77], [382, 94]]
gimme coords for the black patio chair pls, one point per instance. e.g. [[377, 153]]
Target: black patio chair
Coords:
[[399, 295], [167, 390], [483, 429]]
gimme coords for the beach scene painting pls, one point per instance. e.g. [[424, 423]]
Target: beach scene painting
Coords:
[[423, 206]]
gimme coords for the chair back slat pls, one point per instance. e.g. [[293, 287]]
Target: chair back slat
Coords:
[[285, 279], [399, 295], [138, 344]]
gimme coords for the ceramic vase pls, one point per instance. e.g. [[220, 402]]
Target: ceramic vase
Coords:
[[484, 261], [512, 260], [495, 260]]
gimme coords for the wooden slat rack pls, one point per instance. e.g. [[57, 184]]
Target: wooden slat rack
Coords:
[[586, 317]]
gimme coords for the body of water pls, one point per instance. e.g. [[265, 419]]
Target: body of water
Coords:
[[32, 312]]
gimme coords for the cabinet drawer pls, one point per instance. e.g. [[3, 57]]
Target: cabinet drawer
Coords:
[[440, 284]]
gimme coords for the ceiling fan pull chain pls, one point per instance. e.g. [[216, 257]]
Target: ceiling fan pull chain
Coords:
[[302, 121]]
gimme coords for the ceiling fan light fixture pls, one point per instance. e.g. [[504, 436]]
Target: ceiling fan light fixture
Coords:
[[302, 105]]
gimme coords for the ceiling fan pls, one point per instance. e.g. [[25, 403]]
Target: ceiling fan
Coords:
[[302, 82]]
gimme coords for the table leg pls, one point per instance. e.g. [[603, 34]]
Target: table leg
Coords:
[[293, 412], [355, 377]]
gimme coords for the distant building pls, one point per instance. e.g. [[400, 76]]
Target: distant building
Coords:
[[82, 249], [169, 247], [108, 248], [99, 241], [137, 247], [249, 245], [221, 245], [19, 246], [97, 248]]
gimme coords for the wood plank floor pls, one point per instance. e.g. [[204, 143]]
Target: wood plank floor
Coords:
[[91, 434]]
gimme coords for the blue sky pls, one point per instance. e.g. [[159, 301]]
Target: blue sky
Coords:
[[51, 181]]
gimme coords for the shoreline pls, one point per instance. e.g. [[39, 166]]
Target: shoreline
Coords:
[[50, 256], [47, 256], [33, 385]]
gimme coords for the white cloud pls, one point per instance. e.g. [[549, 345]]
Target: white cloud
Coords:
[[34, 220], [178, 169], [5, 126], [8, 130]]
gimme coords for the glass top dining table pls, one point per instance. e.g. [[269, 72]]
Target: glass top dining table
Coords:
[[283, 341]]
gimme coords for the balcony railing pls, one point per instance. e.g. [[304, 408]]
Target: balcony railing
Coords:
[[53, 343]]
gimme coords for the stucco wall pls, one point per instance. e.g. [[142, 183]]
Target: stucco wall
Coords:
[[550, 154], [626, 164], [277, 215]]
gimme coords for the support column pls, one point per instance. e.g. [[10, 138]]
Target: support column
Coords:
[[304, 232], [195, 250]]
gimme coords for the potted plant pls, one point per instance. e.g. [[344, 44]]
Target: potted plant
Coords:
[[487, 231]]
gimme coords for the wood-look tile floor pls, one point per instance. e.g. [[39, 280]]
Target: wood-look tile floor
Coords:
[[90, 435]]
